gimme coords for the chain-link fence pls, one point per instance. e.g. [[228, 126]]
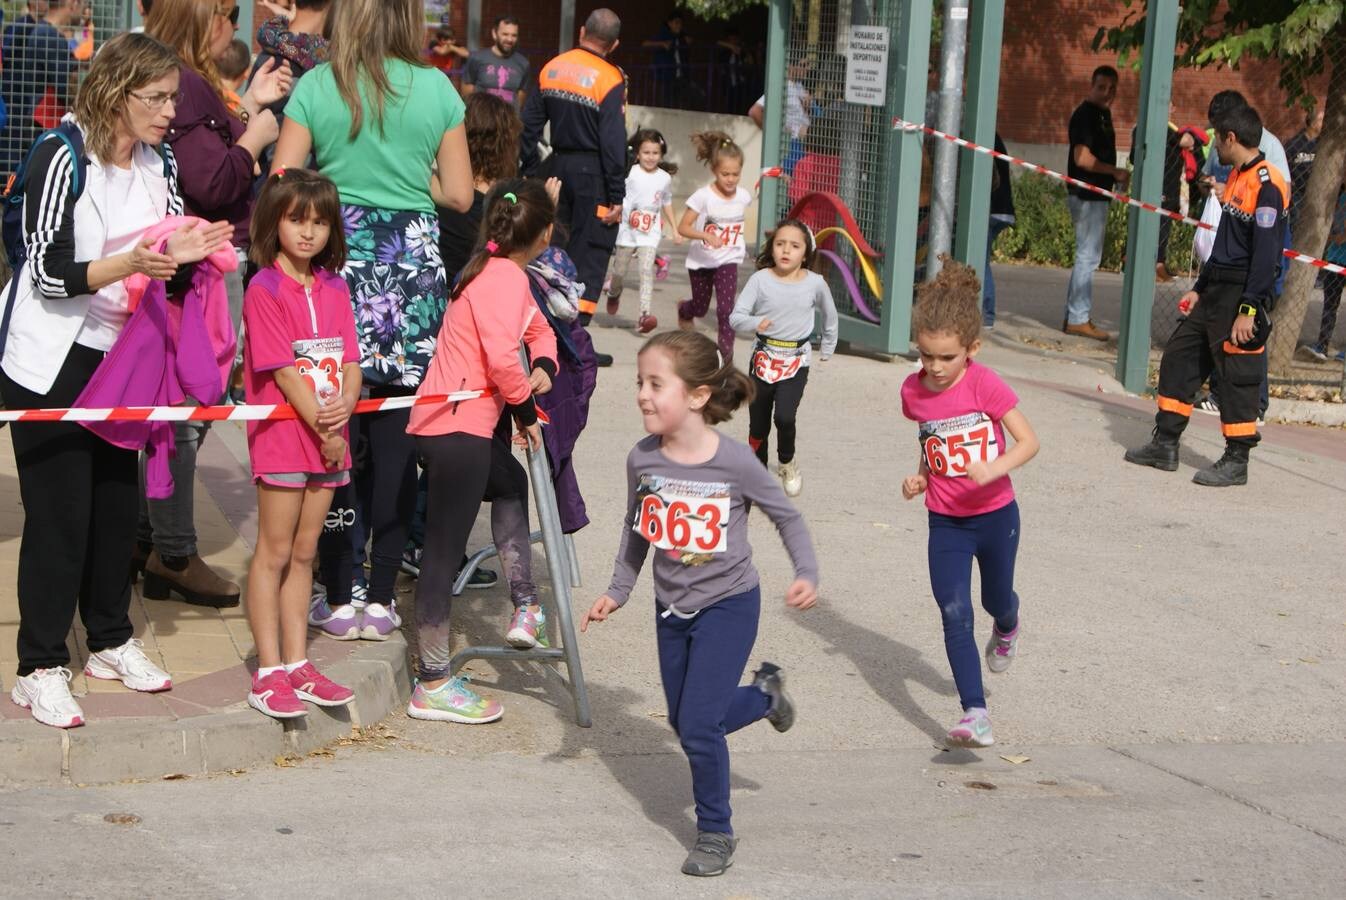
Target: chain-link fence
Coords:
[[831, 146]]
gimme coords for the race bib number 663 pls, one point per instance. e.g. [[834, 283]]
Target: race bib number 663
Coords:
[[693, 520], [951, 445]]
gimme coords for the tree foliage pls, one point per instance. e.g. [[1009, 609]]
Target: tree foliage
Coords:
[[719, 9], [1302, 36]]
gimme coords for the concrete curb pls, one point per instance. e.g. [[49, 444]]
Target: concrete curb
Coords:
[[230, 738]]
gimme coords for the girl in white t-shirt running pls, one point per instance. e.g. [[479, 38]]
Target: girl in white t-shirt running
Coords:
[[714, 222], [648, 203]]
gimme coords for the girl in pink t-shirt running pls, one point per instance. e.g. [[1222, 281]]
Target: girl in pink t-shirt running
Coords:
[[299, 348], [964, 410]]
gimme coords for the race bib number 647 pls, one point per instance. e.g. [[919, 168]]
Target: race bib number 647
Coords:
[[951, 445]]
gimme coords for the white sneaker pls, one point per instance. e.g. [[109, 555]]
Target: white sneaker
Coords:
[[790, 479], [973, 730], [129, 665], [46, 693]]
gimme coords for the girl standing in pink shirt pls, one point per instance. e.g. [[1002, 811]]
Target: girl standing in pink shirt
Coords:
[[964, 410], [465, 445], [299, 348]]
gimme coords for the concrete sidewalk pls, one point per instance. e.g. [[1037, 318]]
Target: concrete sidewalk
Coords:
[[203, 723]]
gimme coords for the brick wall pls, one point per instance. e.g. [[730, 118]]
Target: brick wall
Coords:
[[1047, 59]]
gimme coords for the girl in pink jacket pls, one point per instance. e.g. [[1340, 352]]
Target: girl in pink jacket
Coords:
[[465, 446]]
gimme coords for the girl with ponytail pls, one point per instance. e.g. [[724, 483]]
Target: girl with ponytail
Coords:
[[465, 446], [688, 492]]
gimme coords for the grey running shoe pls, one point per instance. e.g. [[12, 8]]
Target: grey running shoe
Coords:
[[711, 855], [1000, 649], [770, 680]]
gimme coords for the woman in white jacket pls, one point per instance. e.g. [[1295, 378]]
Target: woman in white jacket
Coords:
[[80, 494]]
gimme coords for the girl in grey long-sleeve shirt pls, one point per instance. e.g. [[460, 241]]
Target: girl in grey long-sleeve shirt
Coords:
[[688, 490], [778, 303]]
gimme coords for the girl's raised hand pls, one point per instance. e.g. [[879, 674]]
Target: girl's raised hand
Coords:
[[603, 607], [553, 188], [271, 82], [801, 595], [193, 244], [913, 485], [147, 261]]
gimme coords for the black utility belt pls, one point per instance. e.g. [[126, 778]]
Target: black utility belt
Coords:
[[1217, 274], [560, 152], [779, 344]]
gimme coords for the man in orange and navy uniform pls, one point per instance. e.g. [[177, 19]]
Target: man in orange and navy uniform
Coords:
[[1227, 324], [583, 96]]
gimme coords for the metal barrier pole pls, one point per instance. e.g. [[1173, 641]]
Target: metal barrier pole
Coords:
[[561, 567]]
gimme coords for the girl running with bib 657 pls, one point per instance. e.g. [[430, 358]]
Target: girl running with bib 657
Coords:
[[964, 410], [688, 487]]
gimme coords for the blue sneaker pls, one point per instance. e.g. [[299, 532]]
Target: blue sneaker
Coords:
[[1317, 351]]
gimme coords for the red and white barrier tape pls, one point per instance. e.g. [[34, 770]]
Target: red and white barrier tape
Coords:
[[221, 413], [1118, 198]]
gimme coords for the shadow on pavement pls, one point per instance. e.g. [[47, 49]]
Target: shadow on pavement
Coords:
[[887, 665]]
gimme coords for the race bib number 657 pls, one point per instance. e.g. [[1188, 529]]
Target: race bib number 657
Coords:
[[951, 445]]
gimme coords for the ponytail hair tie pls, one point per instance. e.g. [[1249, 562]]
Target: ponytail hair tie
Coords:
[[280, 173], [492, 246], [509, 195]]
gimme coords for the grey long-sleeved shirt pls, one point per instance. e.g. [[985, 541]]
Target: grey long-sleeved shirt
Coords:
[[789, 305], [695, 518]]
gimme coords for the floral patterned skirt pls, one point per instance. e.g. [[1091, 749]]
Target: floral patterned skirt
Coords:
[[398, 289]]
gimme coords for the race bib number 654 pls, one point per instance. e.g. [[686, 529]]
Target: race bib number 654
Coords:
[[951, 445]]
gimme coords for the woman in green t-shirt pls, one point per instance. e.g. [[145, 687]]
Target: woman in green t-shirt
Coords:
[[388, 130]]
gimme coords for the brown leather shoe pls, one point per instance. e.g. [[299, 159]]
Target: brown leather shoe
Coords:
[[197, 583], [1161, 272], [1089, 330]]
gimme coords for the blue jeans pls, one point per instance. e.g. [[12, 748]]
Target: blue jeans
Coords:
[[993, 540], [701, 660], [993, 230], [1090, 218]]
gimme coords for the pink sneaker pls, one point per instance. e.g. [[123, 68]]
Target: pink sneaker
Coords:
[[274, 697], [315, 687]]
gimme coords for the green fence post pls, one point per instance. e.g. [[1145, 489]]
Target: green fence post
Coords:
[[1142, 229], [974, 169], [908, 81], [777, 44]]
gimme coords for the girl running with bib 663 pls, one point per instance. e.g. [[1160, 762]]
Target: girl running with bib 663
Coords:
[[688, 487], [964, 410], [778, 303]]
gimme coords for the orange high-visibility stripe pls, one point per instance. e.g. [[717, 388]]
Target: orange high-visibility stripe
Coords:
[[1239, 429], [588, 307], [1233, 349], [1168, 404]]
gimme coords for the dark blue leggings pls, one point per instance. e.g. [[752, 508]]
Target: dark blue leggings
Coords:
[[701, 660], [993, 538]]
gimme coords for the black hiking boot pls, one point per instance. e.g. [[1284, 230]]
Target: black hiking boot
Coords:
[[770, 680], [1161, 453], [1228, 470], [711, 855]]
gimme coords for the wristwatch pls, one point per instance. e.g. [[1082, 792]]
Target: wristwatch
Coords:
[[1247, 309]]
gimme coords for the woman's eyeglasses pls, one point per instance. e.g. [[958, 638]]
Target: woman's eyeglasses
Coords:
[[155, 102], [230, 14]]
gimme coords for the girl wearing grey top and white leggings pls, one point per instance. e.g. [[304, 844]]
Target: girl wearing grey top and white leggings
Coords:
[[778, 304]]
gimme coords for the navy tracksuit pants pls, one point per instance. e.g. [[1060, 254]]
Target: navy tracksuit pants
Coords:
[[701, 661]]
